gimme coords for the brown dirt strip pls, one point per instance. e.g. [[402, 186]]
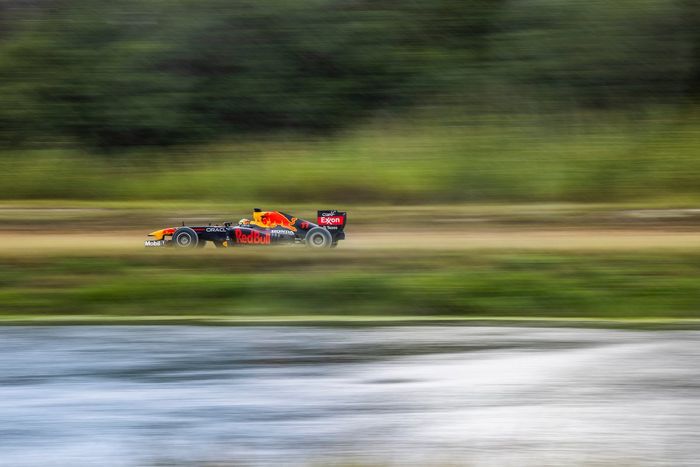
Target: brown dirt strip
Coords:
[[571, 239]]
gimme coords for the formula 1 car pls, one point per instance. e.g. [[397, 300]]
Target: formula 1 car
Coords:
[[266, 228]]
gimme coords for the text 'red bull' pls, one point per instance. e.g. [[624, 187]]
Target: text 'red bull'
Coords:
[[253, 238]]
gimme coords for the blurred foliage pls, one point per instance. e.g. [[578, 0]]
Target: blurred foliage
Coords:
[[597, 54], [422, 162], [380, 284], [156, 72]]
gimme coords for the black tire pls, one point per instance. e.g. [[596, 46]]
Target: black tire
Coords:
[[318, 238], [184, 237]]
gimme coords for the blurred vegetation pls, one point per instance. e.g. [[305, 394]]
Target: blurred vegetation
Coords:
[[140, 72], [350, 100], [526, 160], [155, 72], [292, 284]]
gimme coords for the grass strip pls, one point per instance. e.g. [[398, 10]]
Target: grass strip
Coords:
[[415, 287]]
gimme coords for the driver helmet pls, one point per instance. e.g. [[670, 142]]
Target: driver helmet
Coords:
[[244, 222]]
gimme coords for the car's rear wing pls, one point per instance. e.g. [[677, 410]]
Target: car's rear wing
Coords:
[[332, 219]]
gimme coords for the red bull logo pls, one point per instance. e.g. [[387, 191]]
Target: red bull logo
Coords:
[[274, 219], [253, 237]]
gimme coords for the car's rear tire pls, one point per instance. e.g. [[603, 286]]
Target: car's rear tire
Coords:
[[185, 237], [318, 238]]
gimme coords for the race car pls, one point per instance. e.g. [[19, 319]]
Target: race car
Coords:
[[265, 228]]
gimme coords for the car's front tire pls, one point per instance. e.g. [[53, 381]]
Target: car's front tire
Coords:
[[185, 237], [318, 238]]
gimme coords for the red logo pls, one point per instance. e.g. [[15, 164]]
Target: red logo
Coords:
[[253, 238], [273, 219], [331, 220]]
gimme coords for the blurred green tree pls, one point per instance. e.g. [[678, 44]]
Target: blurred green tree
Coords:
[[595, 54], [156, 72]]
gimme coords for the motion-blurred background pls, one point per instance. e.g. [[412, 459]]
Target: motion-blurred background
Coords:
[[484, 150]]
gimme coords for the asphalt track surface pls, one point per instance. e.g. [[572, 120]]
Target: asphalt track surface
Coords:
[[419, 395]]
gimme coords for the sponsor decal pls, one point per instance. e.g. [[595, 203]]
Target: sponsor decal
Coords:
[[272, 219], [216, 229], [152, 243], [331, 220], [282, 232], [328, 213], [253, 237]]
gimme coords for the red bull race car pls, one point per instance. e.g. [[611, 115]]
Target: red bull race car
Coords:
[[265, 228]]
